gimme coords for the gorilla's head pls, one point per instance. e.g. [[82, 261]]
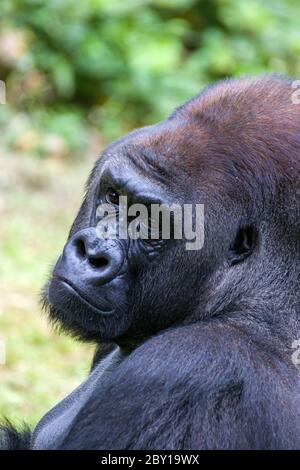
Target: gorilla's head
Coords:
[[235, 149]]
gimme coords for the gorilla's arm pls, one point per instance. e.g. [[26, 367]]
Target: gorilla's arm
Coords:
[[195, 387], [11, 439]]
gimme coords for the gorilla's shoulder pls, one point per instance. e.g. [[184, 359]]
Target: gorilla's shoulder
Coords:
[[210, 354], [177, 385]]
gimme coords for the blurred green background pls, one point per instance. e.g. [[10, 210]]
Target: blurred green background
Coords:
[[77, 75]]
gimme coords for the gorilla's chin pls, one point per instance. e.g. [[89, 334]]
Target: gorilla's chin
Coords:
[[71, 311]]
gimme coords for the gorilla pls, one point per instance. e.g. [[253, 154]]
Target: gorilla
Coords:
[[198, 343]]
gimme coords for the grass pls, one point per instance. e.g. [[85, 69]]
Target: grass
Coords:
[[38, 201]]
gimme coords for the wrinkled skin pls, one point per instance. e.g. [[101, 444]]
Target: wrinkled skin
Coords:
[[205, 336]]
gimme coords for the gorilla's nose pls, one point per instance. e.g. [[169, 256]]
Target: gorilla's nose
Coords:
[[90, 258]]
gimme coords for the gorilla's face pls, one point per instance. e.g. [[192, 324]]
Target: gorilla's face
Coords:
[[104, 289]]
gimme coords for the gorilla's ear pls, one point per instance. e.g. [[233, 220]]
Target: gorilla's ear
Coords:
[[243, 244]]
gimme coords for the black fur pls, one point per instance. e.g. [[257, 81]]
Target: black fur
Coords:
[[11, 439]]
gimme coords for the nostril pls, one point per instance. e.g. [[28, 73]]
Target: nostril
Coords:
[[80, 248], [98, 262], [84, 252], [91, 260]]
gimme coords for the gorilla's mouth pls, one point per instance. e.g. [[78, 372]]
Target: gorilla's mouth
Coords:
[[72, 312], [59, 284], [71, 309]]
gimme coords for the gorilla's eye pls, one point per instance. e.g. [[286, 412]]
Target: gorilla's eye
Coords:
[[112, 196]]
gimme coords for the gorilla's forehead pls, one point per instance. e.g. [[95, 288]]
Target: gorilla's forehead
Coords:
[[224, 140], [154, 155], [159, 148]]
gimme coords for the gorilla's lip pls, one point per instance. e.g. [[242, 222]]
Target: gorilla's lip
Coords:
[[80, 296]]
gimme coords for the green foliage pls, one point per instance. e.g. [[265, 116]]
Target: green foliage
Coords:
[[122, 64]]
